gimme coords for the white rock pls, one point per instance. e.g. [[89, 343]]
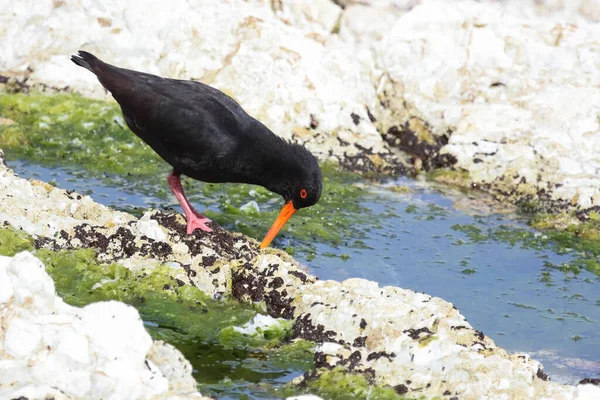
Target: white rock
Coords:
[[6, 289], [99, 351], [250, 207], [36, 392], [163, 357], [22, 338], [521, 75], [587, 392], [319, 16], [181, 248], [258, 323], [30, 282], [52, 210], [150, 228]]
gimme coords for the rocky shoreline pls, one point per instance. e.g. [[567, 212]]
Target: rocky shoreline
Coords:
[[411, 343], [501, 95]]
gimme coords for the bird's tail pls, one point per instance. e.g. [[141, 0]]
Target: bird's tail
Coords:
[[86, 60]]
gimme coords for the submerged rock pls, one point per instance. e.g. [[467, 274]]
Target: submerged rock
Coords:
[[49, 349], [403, 341]]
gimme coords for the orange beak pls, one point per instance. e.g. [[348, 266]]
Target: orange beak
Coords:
[[286, 212]]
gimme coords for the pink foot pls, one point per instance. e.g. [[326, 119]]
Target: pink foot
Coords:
[[194, 219], [197, 221]]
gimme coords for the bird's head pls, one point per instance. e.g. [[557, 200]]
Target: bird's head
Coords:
[[300, 186]]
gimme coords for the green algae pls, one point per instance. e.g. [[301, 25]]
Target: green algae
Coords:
[[468, 271], [298, 354], [80, 280], [337, 26], [519, 305], [568, 222], [269, 336], [13, 241], [458, 177], [67, 128], [530, 206], [338, 384], [424, 342], [569, 232], [88, 138], [428, 212], [585, 252], [262, 369], [401, 189]]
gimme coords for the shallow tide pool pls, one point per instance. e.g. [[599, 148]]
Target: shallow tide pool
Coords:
[[523, 289]]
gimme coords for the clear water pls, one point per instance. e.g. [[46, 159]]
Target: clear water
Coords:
[[504, 282]]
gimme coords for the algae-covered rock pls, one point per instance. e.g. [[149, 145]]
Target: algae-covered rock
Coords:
[[50, 348], [387, 335]]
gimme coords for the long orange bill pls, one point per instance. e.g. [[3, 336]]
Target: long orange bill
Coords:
[[286, 212]]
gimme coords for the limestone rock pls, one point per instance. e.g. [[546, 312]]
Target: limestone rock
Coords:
[[515, 85], [51, 349]]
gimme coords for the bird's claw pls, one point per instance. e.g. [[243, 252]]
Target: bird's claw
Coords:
[[198, 221]]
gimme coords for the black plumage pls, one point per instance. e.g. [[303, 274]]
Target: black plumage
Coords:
[[206, 135]]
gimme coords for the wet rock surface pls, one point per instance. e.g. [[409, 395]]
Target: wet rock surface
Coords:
[[412, 342]]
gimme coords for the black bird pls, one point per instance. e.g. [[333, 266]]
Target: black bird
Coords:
[[206, 135]]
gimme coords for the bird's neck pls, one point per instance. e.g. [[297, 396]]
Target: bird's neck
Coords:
[[275, 165]]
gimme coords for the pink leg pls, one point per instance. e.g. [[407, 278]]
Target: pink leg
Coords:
[[194, 219]]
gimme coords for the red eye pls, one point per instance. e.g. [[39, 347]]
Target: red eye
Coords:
[[303, 193]]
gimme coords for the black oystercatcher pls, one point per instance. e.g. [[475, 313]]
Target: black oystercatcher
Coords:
[[204, 134]]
